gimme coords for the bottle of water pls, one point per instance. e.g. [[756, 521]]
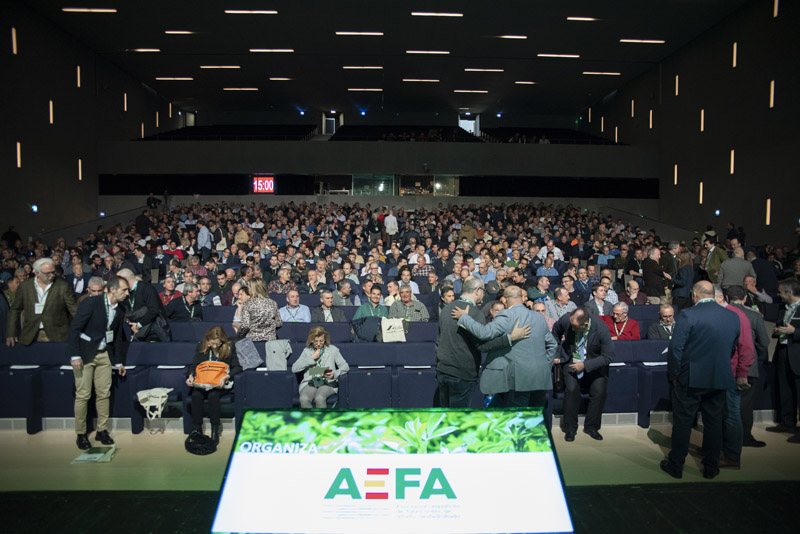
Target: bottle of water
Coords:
[[487, 400]]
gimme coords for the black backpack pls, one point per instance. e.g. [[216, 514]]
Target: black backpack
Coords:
[[200, 444]]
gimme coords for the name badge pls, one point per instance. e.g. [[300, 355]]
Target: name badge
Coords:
[[109, 336], [38, 308]]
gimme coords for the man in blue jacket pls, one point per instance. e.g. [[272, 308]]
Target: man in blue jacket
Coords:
[[699, 369]]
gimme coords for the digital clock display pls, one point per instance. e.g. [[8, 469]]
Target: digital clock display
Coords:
[[264, 184]]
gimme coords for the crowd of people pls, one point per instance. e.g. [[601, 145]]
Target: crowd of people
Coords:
[[553, 281]]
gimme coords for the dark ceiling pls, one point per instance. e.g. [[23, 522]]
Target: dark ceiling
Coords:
[[318, 81]]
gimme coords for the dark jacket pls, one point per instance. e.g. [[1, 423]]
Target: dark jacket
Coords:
[[90, 321], [200, 357], [180, 311], [654, 279], [599, 348], [317, 316]]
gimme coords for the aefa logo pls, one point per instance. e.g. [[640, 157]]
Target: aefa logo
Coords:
[[404, 478]]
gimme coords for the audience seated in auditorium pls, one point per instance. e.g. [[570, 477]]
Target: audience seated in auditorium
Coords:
[[632, 296], [541, 290], [559, 305], [620, 326], [321, 364], [408, 308], [186, 308], [372, 307], [541, 307], [207, 296], [293, 311], [343, 294], [326, 312], [666, 323], [598, 306]]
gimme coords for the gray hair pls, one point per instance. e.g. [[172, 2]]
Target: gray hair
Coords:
[[96, 281], [621, 306], [126, 273], [673, 245], [341, 284], [188, 287], [41, 262], [471, 284], [718, 291]]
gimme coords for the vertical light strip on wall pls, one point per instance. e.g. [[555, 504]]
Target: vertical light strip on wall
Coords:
[[602, 124], [702, 120], [19, 155], [675, 181], [156, 119], [769, 211], [590, 115], [51, 112], [616, 134], [170, 110], [734, 54], [632, 108], [732, 155], [142, 130], [14, 41], [124, 101], [80, 170], [701, 192], [676, 85], [651, 119], [775, 9], [79, 75], [772, 94]]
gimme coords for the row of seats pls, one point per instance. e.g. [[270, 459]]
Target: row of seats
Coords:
[[400, 375]]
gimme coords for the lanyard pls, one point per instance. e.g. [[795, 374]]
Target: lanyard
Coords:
[[211, 356], [293, 315], [190, 312], [667, 330], [372, 310], [132, 299], [623, 327]]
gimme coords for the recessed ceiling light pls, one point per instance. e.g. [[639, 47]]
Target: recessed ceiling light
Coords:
[[368, 34], [146, 50], [421, 80], [251, 12], [220, 67], [174, 79], [365, 89], [88, 10], [643, 41], [484, 70], [469, 91], [442, 52], [178, 32], [512, 36], [275, 50], [582, 19], [430, 14], [569, 56], [602, 73], [362, 67], [240, 88], [523, 82], [279, 79]]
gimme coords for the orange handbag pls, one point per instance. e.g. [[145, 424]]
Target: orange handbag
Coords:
[[208, 375]]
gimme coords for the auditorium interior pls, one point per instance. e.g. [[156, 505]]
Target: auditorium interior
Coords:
[[622, 124]]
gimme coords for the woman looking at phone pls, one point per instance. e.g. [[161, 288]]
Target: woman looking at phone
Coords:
[[322, 364]]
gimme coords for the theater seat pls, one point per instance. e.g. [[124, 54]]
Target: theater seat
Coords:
[[422, 332]]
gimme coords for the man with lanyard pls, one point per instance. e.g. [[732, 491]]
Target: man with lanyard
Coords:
[[620, 326], [666, 323], [373, 307], [787, 358], [408, 308], [294, 312], [585, 356], [556, 308], [96, 343], [187, 308], [141, 295]]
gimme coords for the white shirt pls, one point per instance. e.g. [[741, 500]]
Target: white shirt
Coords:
[[390, 222], [41, 295]]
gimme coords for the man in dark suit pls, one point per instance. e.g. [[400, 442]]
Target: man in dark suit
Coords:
[[584, 356], [699, 368], [787, 358], [327, 312], [47, 303], [597, 306], [96, 343], [143, 264], [736, 296], [656, 280], [78, 280], [142, 307]]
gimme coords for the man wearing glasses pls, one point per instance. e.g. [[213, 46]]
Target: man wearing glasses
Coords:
[[47, 304], [666, 323]]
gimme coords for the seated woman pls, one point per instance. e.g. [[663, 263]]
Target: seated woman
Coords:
[[321, 363], [260, 316], [214, 347]]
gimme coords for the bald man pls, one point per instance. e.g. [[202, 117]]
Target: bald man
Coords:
[[704, 341]]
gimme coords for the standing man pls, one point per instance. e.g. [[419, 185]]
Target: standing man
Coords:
[[96, 343], [46, 304], [142, 307], [520, 374], [585, 356], [390, 222], [203, 240], [787, 358], [699, 360]]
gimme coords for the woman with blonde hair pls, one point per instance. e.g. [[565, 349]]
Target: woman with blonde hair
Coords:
[[260, 316], [214, 347], [321, 364]]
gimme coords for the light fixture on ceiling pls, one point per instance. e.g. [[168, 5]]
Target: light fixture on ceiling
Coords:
[[480, 91], [220, 67], [524, 82], [568, 56], [582, 19], [240, 88], [365, 89], [146, 50], [433, 14], [363, 34], [277, 79], [483, 70], [174, 78], [178, 32], [362, 67], [512, 36], [272, 50], [251, 12], [88, 10], [642, 41], [440, 52], [421, 80], [597, 73]]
